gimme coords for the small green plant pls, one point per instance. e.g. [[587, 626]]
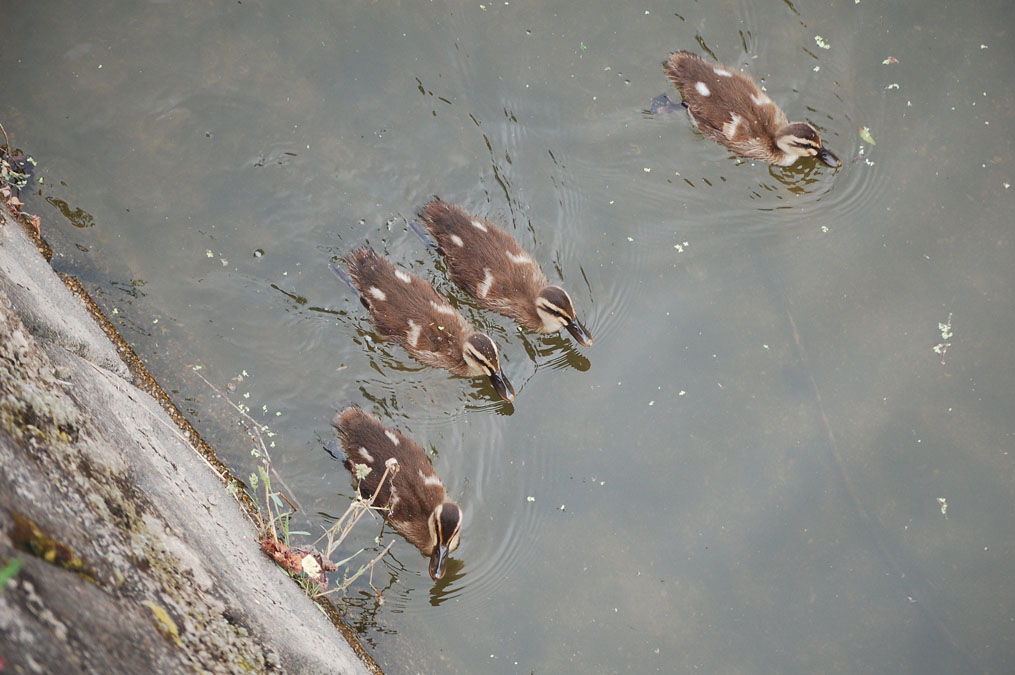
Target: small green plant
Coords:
[[307, 564], [9, 571], [941, 348], [337, 533], [15, 169]]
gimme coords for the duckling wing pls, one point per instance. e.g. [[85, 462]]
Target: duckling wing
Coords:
[[483, 259], [724, 103], [407, 310], [412, 493]]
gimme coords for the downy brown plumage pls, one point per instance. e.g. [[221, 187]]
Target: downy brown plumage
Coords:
[[419, 508], [727, 106], [407, 310], [489, 264]]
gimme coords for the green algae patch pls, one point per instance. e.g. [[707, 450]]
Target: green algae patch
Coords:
[[27, 536], [165, 622]]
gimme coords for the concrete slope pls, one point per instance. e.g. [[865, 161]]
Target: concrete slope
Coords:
[[133, 557]]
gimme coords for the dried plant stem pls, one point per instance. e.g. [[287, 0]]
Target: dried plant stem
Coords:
[[338, 532], [270, 526], [380, 598], [254, 435], [369, 566]]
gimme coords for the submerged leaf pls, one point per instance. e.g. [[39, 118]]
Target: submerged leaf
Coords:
[[865, 134]]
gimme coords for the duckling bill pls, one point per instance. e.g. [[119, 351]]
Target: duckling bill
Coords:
[[489, 264], [728, 106], [417, 503], [407, 310]]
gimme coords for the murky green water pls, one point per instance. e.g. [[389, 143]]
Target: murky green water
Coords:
[[743, 474]]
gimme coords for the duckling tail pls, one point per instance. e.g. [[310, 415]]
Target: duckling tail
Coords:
[[338, 272], [422, 234]]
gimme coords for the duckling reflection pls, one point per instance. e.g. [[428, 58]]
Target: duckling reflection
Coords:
[[446, 588]]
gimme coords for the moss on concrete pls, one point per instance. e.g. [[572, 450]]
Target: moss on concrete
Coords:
[[135, 559]]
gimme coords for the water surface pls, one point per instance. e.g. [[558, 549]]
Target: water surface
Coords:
[[743, 475]]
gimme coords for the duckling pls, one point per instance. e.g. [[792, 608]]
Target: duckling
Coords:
[[728, 106], [407, 310], [419, 508], [490, 265]]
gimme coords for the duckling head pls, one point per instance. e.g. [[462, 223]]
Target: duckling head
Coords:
[[480, 354], [801, 140], [556, 311], [445, 525]]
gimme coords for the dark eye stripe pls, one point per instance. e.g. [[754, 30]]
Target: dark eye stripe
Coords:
[[556, 311]]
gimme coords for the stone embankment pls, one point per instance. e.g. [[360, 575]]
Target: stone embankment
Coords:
[[133, 557]]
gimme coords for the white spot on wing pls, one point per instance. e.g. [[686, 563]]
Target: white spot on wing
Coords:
[[391, 436], [722, 73], [457, 241], [760, 99], [413, 336], [377, 293], [431, 479], [366, 455], [702, 88], [403, 276], [479, 226], [484, 286], [520, 259], [443, 309], [730, 128]]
